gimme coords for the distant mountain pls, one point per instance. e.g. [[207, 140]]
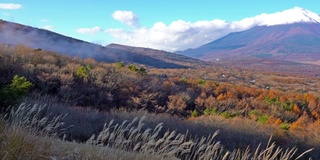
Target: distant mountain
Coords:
[[295, 38], [294, 42], [18, 34]]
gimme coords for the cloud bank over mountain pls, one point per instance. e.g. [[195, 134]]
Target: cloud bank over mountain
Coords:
[[181, 35]]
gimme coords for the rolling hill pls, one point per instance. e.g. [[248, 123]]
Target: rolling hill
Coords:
[[18, 34]]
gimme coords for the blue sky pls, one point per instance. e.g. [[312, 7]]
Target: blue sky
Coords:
[[166, 24]]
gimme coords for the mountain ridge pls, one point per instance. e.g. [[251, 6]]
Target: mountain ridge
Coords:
[[282, 42], [15, 34]]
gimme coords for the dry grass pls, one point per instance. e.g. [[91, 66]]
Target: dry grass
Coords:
[[31, 132], [64, 150], [130, 137], [18, 144]]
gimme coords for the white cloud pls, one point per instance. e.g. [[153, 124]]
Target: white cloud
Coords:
[[181, 35], [178, 35], [295, 14], [48, 27], [126, 17], [89, 30], [10, 6]]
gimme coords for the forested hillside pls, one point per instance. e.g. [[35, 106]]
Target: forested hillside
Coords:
[[285, 106]]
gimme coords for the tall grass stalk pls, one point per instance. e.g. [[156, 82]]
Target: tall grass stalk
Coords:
[[35, 118], [126, 138], [130, 136]]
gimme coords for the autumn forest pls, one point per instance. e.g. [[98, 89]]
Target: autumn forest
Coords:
[[246, 106]]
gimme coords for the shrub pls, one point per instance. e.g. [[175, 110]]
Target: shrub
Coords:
[[18, 88], [119, 64], [287, 105], [253, 112], [133, 68], [263, 119], [183, 80], [142, 70], [195, 113], [202, 81], [285, 126], [210, 111], [227, 114], [83, 71], [270, 101]]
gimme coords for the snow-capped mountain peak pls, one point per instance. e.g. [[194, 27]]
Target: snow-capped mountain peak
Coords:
[[289, 16]]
